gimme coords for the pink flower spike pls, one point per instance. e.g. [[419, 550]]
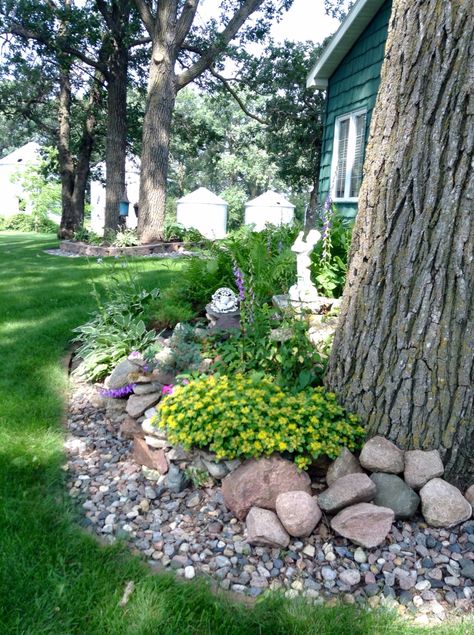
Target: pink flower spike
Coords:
[[167, 390]]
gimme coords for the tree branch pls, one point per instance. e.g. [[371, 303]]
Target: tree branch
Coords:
[[222, 40], [237, 97], [21, 31], [185, 21], [146, 16]]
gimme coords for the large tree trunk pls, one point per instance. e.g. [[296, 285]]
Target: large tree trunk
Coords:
[[403, 352], [155, 146], [116, 146]]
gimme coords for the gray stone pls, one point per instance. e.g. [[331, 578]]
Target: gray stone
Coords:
[[360, 555], [394, 493], [365, 524], [350, 577], [346, 463], [443, 505], [347, 490], [264, 528], [328, 573], [467, 569], [120, 375], [146, 389], [469, 495], [176, 480], [298, 512], [422, 466], [216, 470], [137, 404], [381, 455]]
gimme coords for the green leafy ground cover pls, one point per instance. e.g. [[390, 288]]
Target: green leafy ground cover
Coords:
[[54, 577]]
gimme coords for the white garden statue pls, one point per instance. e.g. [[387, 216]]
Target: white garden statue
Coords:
[[303, 294]]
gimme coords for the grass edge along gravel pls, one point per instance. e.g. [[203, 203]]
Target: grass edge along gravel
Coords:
[[54, 577]]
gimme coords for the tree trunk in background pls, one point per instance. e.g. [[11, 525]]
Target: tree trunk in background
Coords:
[[155, 147], [69, 222], [403, 353], [116, 148]]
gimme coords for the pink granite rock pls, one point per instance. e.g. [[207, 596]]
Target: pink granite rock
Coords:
[[346, 463], [298, 512], [443, 505], [381, 455], [365, 524], [421, 466], [144, 455], [347, 490], [264, 529], [258, 482]]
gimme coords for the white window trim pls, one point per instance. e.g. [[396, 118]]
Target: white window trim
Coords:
[[350, 154]]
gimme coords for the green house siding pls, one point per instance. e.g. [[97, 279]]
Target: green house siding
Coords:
[[354, 86]]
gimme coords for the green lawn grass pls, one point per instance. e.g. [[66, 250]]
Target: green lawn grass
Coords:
[[55, 578]]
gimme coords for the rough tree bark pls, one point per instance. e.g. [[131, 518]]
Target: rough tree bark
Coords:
[[116, 146], [403, 353], [69, 222]]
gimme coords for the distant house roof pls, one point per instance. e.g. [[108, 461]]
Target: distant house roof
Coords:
[[269, 199], [27, 153], [204, 196], [340, 44]]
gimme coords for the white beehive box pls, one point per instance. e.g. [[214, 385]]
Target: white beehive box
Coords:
[[270, 208], [204, 211]]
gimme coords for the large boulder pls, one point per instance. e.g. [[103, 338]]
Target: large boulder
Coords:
[[120, 375], [365, 524], [264, 529], [469, 495], [258, 482], [381, 455], [346, 463], [393, 492], [137, 404], [421, 466], [347, 490], [298, 512], [443, 505]]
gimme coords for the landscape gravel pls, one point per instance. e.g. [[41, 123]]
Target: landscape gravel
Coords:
[[418, 569]]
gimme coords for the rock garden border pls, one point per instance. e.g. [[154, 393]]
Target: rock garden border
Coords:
[[84, 249], [423, 571]]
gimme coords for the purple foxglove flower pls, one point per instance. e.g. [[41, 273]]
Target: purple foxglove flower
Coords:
[[118, 393]]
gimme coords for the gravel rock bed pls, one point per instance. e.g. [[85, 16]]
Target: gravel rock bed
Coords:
[[420, 570]]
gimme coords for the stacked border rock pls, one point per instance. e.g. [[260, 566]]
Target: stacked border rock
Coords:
[[277, 502]]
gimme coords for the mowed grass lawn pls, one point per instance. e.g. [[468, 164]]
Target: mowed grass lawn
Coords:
[[55, 578]]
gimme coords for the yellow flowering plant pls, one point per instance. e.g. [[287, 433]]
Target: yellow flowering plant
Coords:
[[244, 416]]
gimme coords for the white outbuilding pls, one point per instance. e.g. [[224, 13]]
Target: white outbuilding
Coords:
[[12, 166], [269, 208], [132, 182], [204, 211]]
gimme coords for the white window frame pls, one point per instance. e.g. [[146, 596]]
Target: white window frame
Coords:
[[351, 144]]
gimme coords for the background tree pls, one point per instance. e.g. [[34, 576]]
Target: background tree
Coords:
[[169, 24], [402, 356], [290, 113]]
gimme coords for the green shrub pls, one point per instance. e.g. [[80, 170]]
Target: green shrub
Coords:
[[251, 416], [118, 326], [126, 238], [330, 256], [285, 353], [23, 222]]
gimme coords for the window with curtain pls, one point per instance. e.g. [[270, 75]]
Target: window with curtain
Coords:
[[349, 141]]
